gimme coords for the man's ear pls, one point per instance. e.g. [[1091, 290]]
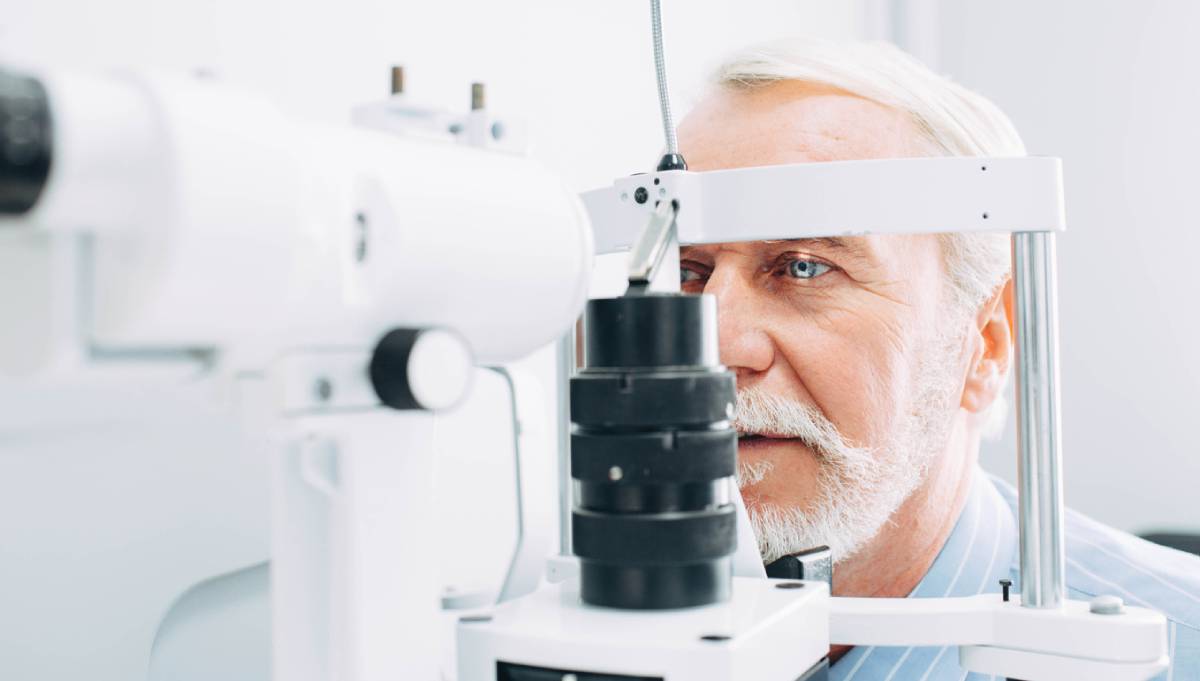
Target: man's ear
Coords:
[[993, 354]]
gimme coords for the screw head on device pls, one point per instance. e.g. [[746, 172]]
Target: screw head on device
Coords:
[[1005, 585], [397, 80], [1107, 605], [671, 162], [323, 389]]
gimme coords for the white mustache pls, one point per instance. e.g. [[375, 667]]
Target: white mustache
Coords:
[[844, 510], [758, 411]]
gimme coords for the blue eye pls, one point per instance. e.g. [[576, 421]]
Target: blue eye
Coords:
[[806, 269]]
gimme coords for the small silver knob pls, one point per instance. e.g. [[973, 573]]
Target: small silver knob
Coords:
[[1107, 605]]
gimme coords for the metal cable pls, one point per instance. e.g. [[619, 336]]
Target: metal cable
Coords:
[[660, 69]]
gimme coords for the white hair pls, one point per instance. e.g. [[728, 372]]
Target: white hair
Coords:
[[952, 121]]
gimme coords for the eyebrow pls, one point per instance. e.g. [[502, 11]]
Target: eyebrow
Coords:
[[851, 248], [834, 242]]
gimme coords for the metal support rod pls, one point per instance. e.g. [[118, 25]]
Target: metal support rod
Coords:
[[1039, 458], [652, 246], [564, 370], [477, 99], [660, 70]]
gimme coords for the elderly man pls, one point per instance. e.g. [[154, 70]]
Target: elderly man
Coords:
[[868, 368]]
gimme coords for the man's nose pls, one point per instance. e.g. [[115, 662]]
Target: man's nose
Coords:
[[745, 346]]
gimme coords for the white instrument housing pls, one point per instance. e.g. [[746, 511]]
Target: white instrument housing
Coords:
[[216, 222]]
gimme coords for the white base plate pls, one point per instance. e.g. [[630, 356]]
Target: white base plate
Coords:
[[774, 634]]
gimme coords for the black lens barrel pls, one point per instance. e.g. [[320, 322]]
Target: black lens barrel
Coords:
[[652, 453]]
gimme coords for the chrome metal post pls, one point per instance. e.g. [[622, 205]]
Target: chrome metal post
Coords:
[[1039, 460], [564, 370]]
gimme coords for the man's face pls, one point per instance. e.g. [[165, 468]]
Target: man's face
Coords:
[[847, 375]]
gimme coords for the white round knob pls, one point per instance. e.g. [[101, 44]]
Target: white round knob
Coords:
[[427, 369], [1107, 605], [439, 369]]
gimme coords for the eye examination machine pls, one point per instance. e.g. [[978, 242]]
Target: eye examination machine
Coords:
[[335, 293]]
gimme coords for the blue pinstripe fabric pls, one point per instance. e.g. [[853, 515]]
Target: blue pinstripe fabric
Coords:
[[982, 550]]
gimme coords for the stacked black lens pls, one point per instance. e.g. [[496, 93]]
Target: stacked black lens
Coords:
[[652, 452]]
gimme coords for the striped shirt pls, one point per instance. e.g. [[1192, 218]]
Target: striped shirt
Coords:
[[982, 550]]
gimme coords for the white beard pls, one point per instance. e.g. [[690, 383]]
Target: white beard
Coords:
[[858, 488]]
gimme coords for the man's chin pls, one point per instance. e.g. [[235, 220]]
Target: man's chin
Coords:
[[751, 497], [786, 466]]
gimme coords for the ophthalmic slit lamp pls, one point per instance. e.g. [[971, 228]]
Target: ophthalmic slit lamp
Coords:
[[122, 187]]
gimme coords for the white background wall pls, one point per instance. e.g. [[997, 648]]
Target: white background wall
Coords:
[[1111, 87], [578, 72]]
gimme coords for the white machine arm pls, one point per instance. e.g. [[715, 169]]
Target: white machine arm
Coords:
[[214, 221], [1078, 642], [839, 198]]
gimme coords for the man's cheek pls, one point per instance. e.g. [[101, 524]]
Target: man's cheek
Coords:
[[858, 386]]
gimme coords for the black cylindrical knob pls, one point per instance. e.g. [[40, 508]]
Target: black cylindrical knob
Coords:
[[651, 331], [671, 162], [26, 142]]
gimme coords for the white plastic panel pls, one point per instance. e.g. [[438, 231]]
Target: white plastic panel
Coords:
[[838, 198], [1136, 635], [773, 635]]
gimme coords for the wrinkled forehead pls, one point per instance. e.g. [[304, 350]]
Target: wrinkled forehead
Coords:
[[792, 122]]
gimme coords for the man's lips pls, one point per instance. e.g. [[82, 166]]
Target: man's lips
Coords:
[[759, 440]]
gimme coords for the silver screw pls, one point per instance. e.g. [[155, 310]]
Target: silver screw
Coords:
[[397, 80], [615, 473], [323, 389], [360, 241]]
